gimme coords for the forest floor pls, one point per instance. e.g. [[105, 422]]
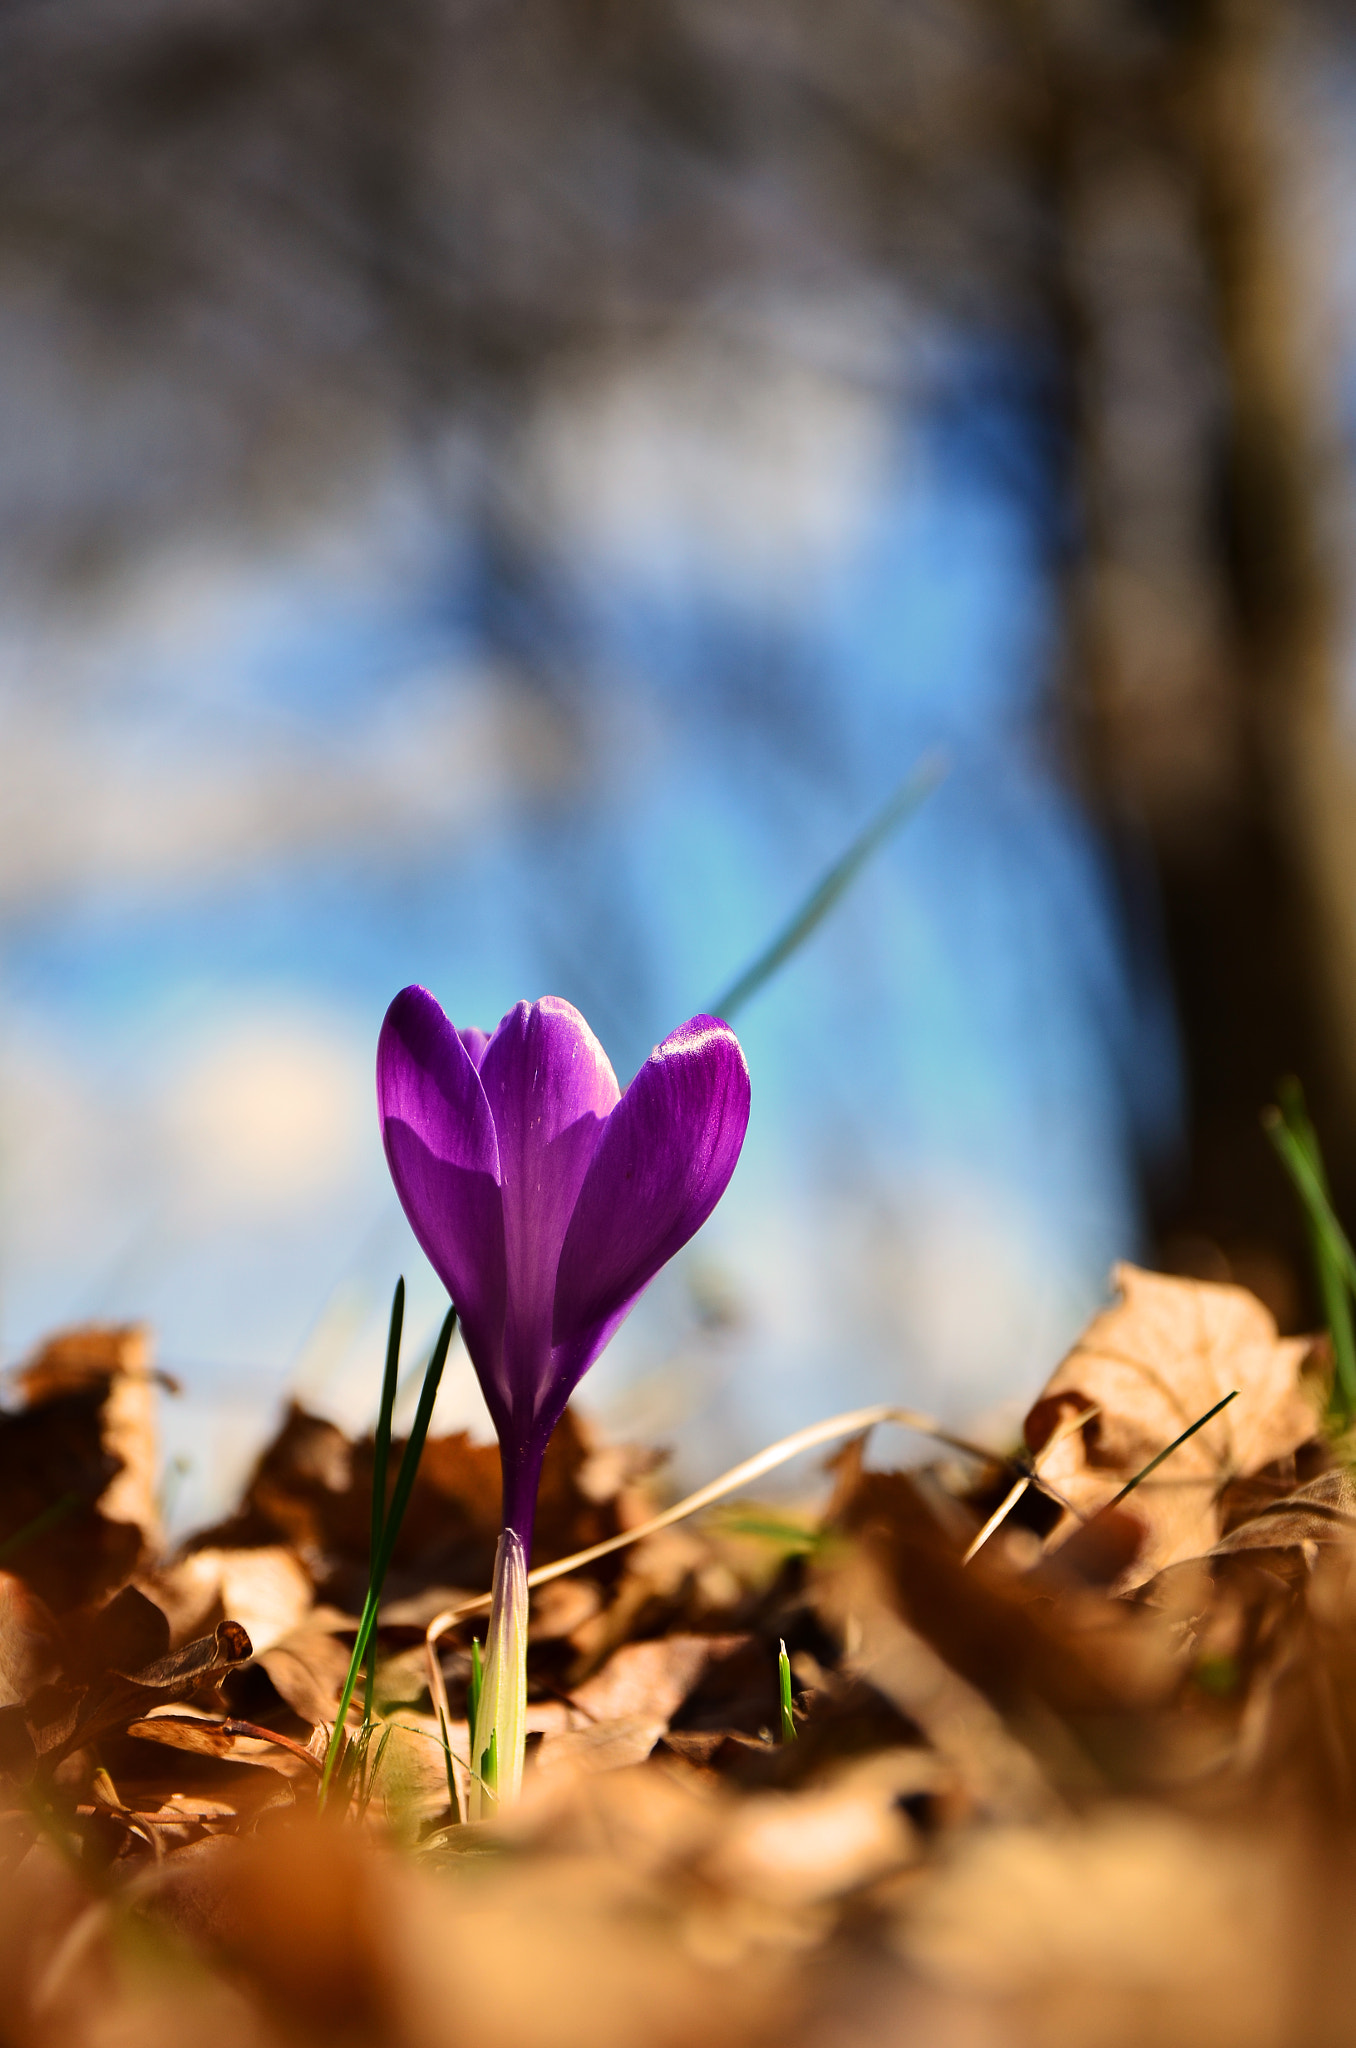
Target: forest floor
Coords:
[[1089, 1784]]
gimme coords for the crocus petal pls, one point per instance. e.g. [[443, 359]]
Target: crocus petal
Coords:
[[475, 1042], [444, 1158], [662, 1164], [550, 1088]]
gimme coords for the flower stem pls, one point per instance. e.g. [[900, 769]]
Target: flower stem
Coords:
[[500, 1733]]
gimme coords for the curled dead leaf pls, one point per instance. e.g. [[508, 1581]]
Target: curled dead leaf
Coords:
[[1321, 1511], [1150, 1366], [80, 1714], [233, 1741]]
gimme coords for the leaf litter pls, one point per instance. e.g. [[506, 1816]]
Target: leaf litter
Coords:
[[1091, 1783]]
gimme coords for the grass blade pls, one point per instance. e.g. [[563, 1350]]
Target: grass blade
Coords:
[[414, 1447], [1296, 1143], [381, 1457], [1300, 1167], [1175, 1445], [395, 1514], [916, 786]]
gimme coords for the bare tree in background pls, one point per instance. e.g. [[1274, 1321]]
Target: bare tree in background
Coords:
[[275, 234], [1203, 650]]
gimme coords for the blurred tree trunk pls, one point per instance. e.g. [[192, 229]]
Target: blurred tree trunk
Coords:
[[1203, 671]]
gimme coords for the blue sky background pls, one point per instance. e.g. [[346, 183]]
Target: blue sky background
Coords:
[[256, 789]]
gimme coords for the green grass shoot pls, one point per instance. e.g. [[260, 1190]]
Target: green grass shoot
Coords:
[[364, 1641], [381, 1459], [784, 1694], [454, 1804], [370, 1766], [791, 1537], [489, 1768], [918, 784], [473, 1690], [1296, 1143]]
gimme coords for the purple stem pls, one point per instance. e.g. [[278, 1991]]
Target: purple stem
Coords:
[[521, 1470]]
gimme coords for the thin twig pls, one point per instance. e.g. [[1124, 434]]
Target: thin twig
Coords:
[[853, 1423], [1032, 1477], [999, 1516]]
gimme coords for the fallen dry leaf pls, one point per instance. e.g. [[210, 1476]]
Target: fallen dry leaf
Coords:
[[1132, 1927], [230, 1741], [797, 1849], [1323, 1510], [1021, 1812], [114, 1666], [311, 1492], [308, 1665], [652, 1678], [601, 1746], [265, 1588], [77, 1466], [1150, 1366], [629, 1704], [995, 1774], [30, 1643]]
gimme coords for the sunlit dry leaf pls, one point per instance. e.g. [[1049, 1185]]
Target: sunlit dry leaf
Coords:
[[649, 1820], [574, 1951], [651, 1593], [562, 1607], [410, 1786], [601, 1745], [265, 1588], [1151, 1365], [116, 1362], [307, 1666]]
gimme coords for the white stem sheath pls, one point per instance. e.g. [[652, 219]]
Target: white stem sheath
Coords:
[[503, 1693]]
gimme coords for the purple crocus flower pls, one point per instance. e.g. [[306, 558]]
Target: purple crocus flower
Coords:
[[545, 1199]]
